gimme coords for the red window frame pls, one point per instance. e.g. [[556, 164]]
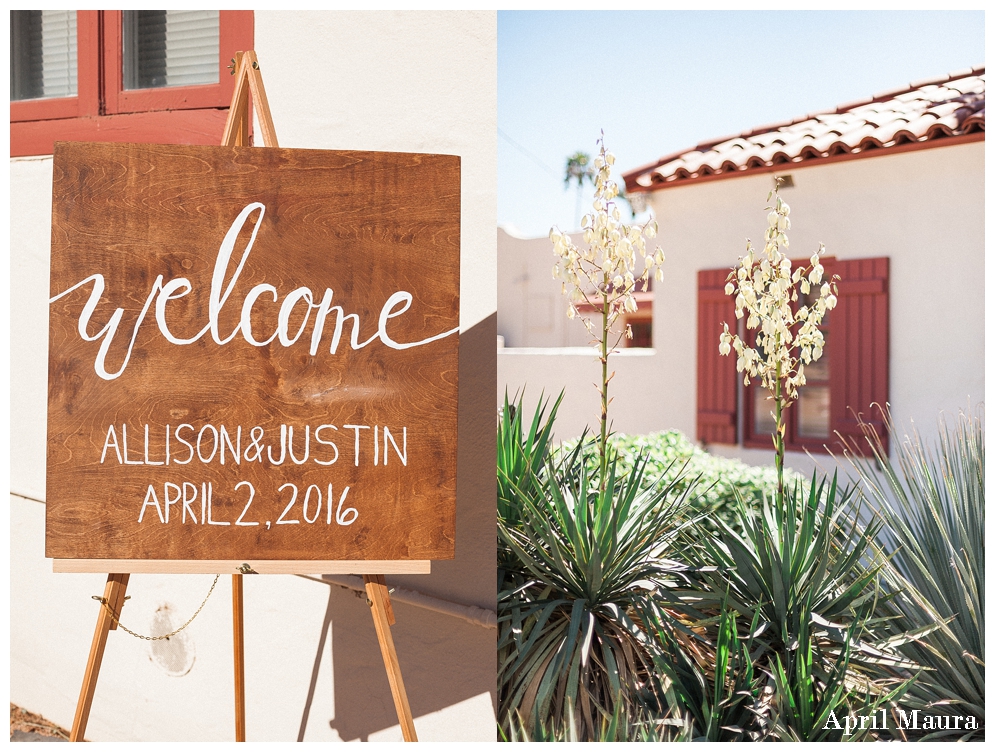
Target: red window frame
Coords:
[[103, 110], [86, 101]]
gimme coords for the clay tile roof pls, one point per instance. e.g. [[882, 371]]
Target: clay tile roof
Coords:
[[921, 113]]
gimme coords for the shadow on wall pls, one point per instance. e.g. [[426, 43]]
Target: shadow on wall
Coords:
[[444, 660]]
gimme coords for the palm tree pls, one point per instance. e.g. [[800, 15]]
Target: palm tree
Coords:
[[579, 169]]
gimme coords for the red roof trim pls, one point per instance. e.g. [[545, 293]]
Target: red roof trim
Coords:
[[842, 156], [938, 112]]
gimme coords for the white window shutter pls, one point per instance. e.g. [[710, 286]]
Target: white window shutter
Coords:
[[192, 42], [58, 39], [170, 48]]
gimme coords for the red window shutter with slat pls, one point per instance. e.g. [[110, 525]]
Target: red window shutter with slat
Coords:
[[716, 373], [858, 345]]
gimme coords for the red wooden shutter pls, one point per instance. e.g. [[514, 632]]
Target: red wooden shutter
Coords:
[[858, 346], [716, 373]]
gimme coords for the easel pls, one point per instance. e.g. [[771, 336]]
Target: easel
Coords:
[[248, 79]]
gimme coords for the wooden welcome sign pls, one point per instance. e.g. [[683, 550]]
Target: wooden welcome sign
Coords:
[[252, 358]]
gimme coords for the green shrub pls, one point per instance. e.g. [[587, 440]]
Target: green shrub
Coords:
[[671, 456]]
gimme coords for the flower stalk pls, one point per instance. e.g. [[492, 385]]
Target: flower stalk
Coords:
[[605, 378], [600, 279], [778, 302]]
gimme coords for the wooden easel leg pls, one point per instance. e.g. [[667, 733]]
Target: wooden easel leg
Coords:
[[238, 633], [114, 591], [236, 133], [383, 617]]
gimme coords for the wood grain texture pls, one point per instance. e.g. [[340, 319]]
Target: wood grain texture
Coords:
[[238, 653], [361, 224], [214, 566], [114, 590], [383, 616]]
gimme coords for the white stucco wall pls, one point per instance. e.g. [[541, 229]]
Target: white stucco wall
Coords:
[[533, 310], [392, 81], [396, 81], [923, 209]]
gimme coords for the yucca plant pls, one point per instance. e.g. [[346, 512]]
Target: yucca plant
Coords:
[[602, 276], [587, 572], [808, 573], [576, 634], [769, 294], [808, 558], [522, 450], [818, 700], [715, 684], [618, 728], [932, 502]]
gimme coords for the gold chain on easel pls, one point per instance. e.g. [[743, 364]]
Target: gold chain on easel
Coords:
[[117, 619]]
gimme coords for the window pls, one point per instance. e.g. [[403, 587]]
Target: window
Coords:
[[169, 48], [641, 321], [43, 54], [847, 381], [151, 76]]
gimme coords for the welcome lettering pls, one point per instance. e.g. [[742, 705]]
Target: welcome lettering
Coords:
[[164, 291]]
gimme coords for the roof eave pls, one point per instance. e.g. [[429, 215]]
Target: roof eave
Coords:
[[631, 186]]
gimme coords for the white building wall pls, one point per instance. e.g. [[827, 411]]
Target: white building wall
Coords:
[[533, 309], [924, 209], [415, 82]]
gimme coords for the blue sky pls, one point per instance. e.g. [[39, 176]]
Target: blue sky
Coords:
[[660, 81]]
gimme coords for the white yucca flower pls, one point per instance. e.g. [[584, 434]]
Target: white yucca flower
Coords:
[[603, 275], [766, 292], [601, 278]]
